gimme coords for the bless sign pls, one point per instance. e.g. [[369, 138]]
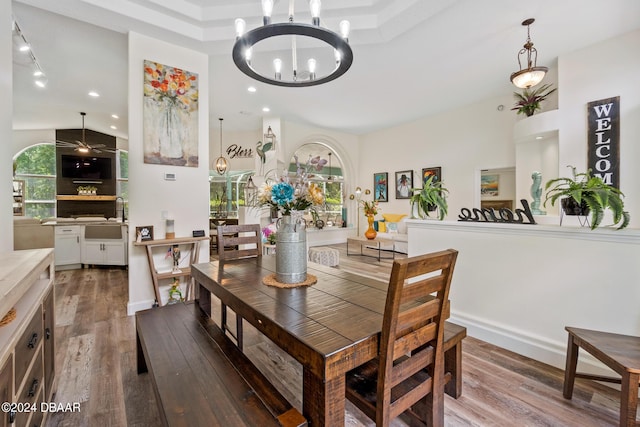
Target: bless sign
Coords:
[[604, 139]]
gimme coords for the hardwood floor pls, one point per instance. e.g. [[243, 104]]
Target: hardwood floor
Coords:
[[96, 363]]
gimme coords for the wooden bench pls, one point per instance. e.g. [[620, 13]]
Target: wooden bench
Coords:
[[453, 336], [195, 382]]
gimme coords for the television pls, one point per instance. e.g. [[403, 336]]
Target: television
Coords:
[[85, 167]]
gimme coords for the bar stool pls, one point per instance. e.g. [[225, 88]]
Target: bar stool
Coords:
[[620, 353]]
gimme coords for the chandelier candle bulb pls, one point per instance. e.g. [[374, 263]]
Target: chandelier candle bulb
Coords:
[[240, 27], [314, 5], [267, 9]]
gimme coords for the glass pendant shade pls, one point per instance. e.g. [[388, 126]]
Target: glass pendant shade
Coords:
[[528, 77]]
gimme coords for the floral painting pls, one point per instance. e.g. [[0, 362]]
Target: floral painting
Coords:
[[170, 127]]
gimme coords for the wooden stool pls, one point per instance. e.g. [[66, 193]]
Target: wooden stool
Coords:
[[620, 353]]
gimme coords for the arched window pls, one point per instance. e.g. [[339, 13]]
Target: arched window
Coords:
[[330, 177], [36, 165]]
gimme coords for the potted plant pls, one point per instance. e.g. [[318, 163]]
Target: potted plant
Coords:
[[584, 194], [430, 197], [529, 100]]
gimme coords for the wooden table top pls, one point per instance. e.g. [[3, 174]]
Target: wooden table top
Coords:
[[339, 310]]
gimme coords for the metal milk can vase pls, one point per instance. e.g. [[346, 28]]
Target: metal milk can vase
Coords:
[[291, 252]]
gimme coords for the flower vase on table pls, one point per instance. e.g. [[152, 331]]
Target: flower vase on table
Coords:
[[370, 210], [371, 232], [291, 256], [290, 196]]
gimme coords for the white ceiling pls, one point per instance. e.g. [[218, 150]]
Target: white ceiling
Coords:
[[412, 58]]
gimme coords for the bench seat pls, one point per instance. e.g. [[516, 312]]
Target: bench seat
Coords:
[[195, 381]]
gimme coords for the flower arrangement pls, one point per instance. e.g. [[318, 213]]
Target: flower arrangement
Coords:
[[370, 208], [171, 85], [293, 193]]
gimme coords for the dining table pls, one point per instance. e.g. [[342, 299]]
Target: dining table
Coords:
[[329, 327]]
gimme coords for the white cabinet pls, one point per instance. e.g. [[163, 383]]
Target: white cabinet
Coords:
[[105, 252], [104, 244], [67, 245]]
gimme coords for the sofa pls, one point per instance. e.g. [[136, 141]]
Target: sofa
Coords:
[[393, 227], [30, 233]]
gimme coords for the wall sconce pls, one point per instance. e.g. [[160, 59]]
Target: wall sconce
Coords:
[[270, 137]]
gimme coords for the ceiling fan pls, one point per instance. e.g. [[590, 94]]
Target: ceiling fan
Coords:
[[83, 146]]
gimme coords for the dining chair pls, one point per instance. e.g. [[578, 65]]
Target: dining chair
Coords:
[[235, 242], [408, 376]]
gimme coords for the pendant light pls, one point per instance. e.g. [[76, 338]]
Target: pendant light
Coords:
[[530, 76], [221, 162]]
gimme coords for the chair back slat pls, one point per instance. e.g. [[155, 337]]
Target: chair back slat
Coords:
[[423, 287], [415, 339], [236, 236], [415, 317]]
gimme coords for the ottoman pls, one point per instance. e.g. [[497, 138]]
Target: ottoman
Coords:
[[324, 256]]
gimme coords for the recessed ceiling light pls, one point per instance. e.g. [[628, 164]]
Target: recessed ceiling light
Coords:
[[113, 127], [94, 94], [37, 73], [251, 89], [538, 137], [40, 83], [115, 116], [24, 48], [266, 109]]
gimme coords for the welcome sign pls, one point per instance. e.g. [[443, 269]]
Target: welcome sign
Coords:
[[604, 139]]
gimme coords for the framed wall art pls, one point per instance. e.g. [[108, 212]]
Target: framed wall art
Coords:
[[144, 233], [404, 184], [429, 172], [381, 186], [490, 185], [170, 112]]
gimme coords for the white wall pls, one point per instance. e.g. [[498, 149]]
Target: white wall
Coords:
[[604, 70], [462, 142], [6, 113], [187, 198]]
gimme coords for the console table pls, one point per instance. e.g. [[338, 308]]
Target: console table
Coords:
[[192, 243]]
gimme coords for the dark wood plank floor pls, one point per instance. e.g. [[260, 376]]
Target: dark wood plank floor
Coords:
[[96, 367]]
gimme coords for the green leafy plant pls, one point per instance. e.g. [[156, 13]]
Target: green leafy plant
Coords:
[[432, 195], [529, 100], [591, 191]]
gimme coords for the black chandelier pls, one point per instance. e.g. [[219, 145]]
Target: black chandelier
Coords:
[[245, 41], [532, 74]]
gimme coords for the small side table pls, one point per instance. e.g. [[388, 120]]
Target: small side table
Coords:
[[268, 249]]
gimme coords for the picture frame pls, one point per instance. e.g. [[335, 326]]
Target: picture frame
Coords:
[[381, 186], [490, 185], [144, 233], [428, 172], [404, 184]]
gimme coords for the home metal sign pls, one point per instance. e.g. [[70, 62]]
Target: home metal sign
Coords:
[[603, 139], [503, 215]]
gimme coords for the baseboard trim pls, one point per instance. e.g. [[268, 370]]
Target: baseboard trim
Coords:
[[132, 308], [529, 345]]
